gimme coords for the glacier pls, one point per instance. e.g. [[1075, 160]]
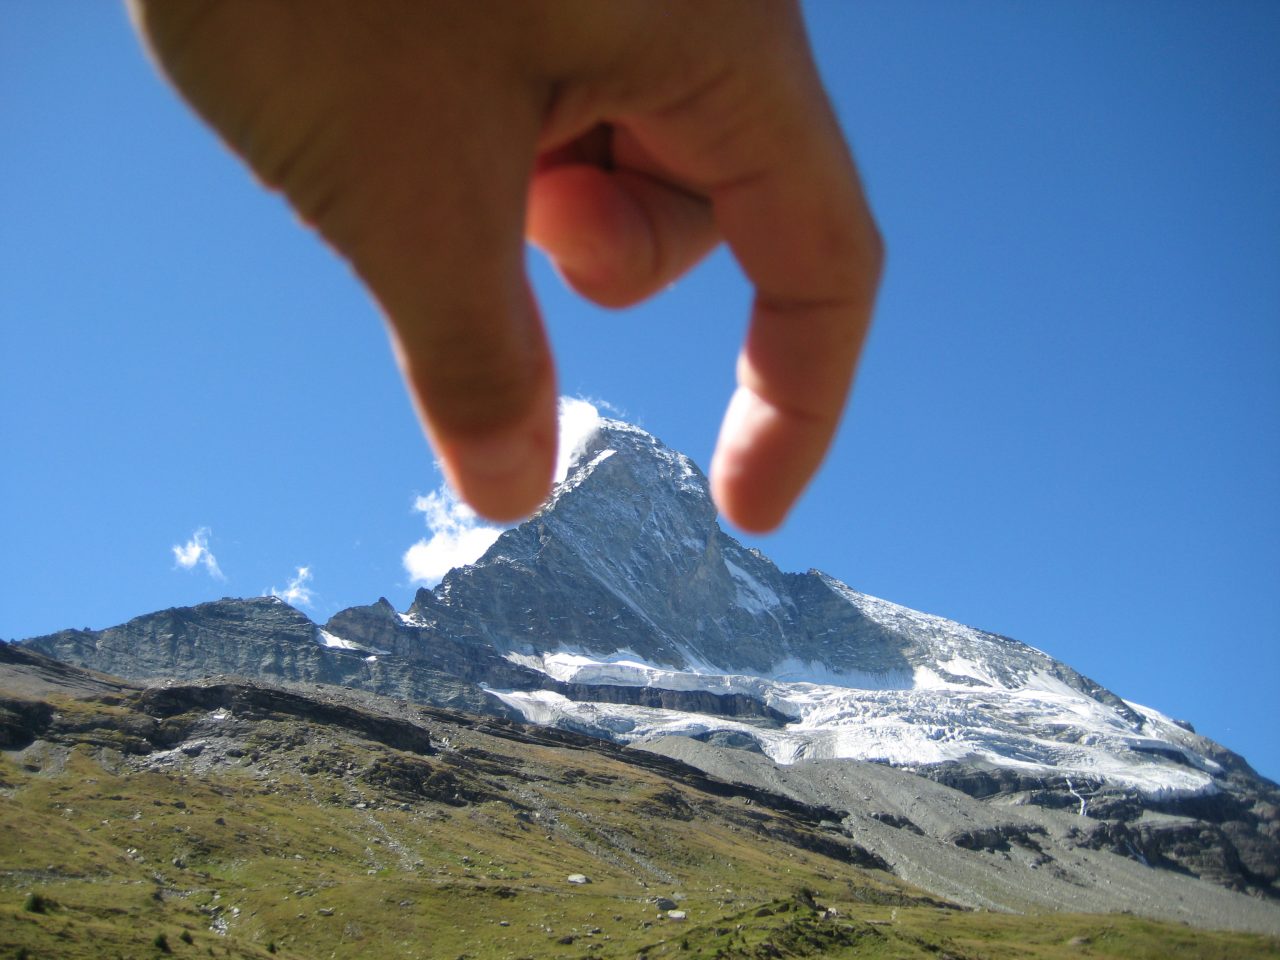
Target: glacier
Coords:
[[1043, 727]]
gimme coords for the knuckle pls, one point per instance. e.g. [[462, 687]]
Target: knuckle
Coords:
[[858, 246]]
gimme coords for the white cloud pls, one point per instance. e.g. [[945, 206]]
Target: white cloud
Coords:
[[579, 420], [195, 552], [458, 537], [297, 593]]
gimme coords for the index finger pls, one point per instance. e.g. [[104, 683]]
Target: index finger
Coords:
[[752, 129], [804, 236], [799, 224]]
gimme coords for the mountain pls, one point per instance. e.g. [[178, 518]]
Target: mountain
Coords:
[[233, 818], [622, 610]]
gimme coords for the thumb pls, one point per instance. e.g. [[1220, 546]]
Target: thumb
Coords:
[[437, 234], [410, 153]]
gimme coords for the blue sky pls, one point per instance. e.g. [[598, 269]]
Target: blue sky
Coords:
[[1066, 428]]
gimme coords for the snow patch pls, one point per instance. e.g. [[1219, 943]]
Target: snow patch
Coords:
[[578, 476], [326, 639], [753, 595]]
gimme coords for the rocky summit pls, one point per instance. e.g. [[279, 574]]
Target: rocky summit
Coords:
[[622, 611]]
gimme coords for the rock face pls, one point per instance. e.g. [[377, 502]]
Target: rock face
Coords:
[[260, 637], [623, 611], [627, 556]]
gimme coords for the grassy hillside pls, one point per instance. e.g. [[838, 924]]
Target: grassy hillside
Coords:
[[256, 832]]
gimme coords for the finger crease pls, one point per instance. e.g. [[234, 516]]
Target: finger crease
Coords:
[[794, 412], [793, 307]]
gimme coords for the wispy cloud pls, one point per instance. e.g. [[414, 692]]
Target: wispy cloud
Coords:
[[195, 552], [297, 593], [579, 420], [458, 537]]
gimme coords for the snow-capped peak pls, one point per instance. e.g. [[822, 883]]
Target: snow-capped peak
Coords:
[[624, 579]]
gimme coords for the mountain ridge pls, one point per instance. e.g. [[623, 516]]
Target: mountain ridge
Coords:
[[214, 806], [622, 610]]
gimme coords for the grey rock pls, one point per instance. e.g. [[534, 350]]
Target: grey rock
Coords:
[[627, 556]]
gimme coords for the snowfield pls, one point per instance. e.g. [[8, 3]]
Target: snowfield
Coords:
[[1040, 726]]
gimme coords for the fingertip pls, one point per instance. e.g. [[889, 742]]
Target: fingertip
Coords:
[[504, 474], [748, 517], [764, 459]]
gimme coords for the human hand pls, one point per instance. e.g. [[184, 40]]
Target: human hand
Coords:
[[426, 140]]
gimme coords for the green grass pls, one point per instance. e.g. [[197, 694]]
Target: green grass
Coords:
[[144, 864], [794, 929]]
